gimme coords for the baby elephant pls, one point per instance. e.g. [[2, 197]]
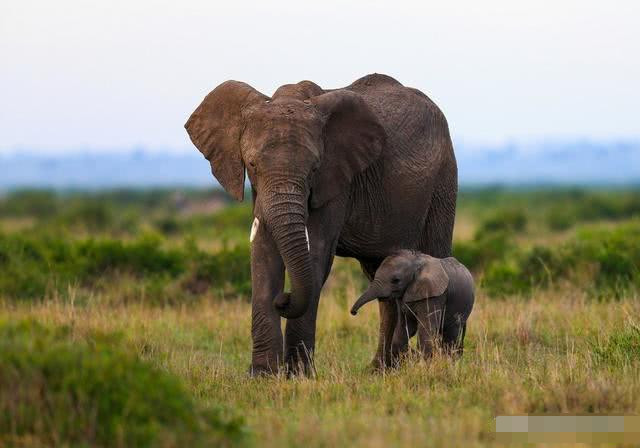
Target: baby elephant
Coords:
[[434, 298]]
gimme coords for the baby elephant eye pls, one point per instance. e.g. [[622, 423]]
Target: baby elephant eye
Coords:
[[395, 280]]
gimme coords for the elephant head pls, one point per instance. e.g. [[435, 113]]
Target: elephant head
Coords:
[[407, 276], [301, 148]]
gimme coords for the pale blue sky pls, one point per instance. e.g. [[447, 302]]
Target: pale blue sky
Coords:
[[118, 74]]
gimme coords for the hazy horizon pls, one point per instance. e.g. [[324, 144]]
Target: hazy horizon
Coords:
[[577, 163], [124, 75], [521, 145]]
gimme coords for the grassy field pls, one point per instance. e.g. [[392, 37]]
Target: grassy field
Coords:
[[155, 284]]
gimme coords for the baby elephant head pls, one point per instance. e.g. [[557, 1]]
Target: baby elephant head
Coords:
[[407, 276]]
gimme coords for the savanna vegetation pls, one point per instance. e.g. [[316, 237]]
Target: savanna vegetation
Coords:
[[125, 318]]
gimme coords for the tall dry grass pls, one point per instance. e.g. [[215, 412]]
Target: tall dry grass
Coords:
[[557, 352]]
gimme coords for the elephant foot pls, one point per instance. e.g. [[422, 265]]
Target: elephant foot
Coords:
[[261, 369], [399, 353], [376, 366], [300, 366], [379, 364], [307, 370]]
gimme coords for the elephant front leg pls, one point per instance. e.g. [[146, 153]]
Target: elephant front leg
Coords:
[[405, 329], [300, 334], [267, 281], [429, 314], [388, 320]]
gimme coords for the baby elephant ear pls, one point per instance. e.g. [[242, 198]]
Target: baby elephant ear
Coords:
[[431, 280]]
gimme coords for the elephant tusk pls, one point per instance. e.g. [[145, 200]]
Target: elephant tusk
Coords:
[[306, 234], [254, 229]]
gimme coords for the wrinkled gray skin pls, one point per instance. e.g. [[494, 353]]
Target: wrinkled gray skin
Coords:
[[367, 169], [434, 298]]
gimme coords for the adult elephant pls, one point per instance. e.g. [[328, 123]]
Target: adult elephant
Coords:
[[357, 172]]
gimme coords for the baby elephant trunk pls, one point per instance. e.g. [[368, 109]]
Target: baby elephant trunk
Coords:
[[370, 294]]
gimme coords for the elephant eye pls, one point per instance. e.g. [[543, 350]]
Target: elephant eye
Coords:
[[395, 280]]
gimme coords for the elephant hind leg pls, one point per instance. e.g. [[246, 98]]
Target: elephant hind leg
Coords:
[[441, 215], [453, 338]]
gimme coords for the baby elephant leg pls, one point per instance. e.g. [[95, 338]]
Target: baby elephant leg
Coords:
[[453, 335], [406, 328], [388, 320], [429, 314]]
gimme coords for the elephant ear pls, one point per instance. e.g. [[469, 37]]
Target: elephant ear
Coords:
[[215, 128], [353, 139], [431, 281]]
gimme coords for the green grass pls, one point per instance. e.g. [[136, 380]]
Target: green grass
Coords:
[[145, 293], [555, 353], [62, 388], [41, 266]]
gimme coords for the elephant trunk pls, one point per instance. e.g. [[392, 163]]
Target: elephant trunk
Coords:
[[372, 293], [285, 215]]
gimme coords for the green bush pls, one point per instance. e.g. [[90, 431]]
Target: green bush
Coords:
[[93, 216], [228, 225], [620, 349], [509, 220], [560, 218], [111, 212], [484, 249], [142, 257], [89, 241], [502, 279], [604, 261], [237, 216], [227, 271], [33, 266], [83, 216], [231, 224], [61, 389], [524, 271], [616, 252], [168, 225], [493, 239], [592, 206], [24, 268], [30, 203]]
